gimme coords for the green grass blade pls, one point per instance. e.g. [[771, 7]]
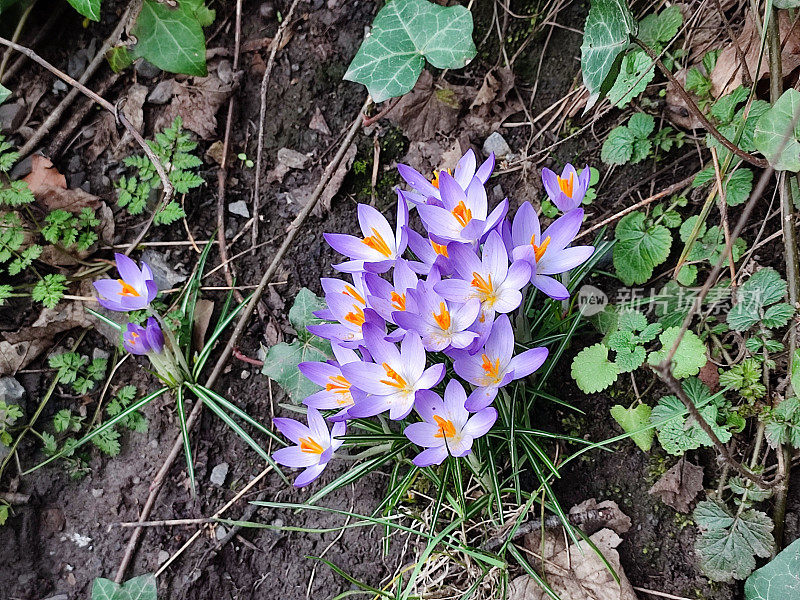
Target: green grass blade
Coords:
[[231, 407], [105, 319], [187, 450], [350, 578], [202, 358], [530, 571]]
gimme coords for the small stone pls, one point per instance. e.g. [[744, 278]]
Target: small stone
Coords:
[[164, 274], [100, 353], [219, 473], [11, 391], [59, 87], [52, 520], [239, 208], [220, 532], [11, 116], [225, 71], [318, 123], [245, 374], [292, 158], [163, 556], [496, 143], [163, 92], [146, 69], [58, 597], [136, 480], [97, 493], [214, 152]]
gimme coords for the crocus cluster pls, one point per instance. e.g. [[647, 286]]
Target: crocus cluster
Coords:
[[135, 289], [410, 304]]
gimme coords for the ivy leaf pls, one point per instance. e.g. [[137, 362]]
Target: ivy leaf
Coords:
[[281, 360], [403, 35], [592, 370], [639, 248], [88, 8], [778, 579], [690, 356], [618, 147], [771, 129], [606, 35], [727, 545], [655, 29], [635, 72], [633, 419], [171, 38]]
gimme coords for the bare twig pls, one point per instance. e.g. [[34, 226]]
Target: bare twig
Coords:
[[15, 36], [276, 43], [41, 33], [753, 160]]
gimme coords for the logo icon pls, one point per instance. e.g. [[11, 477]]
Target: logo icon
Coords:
[[591, 300]]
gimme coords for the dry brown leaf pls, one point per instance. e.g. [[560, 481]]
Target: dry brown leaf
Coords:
[[54, 198], [617, 520], [105, 134], [318, 123], [676, 109], [709, 374], [575, 572], [427, 110], [335, 183], [679, 486], [203, 310], [727, 74], [43, 173]]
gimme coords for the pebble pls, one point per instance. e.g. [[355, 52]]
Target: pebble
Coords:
[[293, 159], [245, 374], [97, 493], [496, 143], [267, 10], [11, 116], [100, 353], [146, 69], [163, 556], [220, 532], [239, 208], [163, 92], [165, 276], [11, 391], [219, 473]]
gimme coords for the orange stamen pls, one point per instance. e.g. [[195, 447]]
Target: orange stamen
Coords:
[[356, 317], [376, 242], [395, 380], [446, 428], [399, 301], [567, 185], [349, 290], [310, 445], [479, 283], [339, 385], [538, 251], [127, 289], [462, 214], [443, 318], [439, 248], [435, 180], [492, 369]]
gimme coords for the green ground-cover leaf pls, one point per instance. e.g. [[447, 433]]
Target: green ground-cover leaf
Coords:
[[592, 370], [773, 127], [88, 8], [754, 296], [4, 93], [633, 419], [782, 423], [281, 360], [607, 32], [635, 72], [171, 38], [138, 588], [690, 356], [728, 544], [779, 579], [640, 248], [404, 34], [656, 29]]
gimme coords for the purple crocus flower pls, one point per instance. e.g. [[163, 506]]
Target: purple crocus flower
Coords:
[[427, 191], [380, 246], [134, 289], [314, 447], [494, 367], [447, 427], [386, 298], [566, 192], [347, 304], [462, 216], [547, 252], [143, 340], [336, 393], [439, 323], [429, 253], [394, 379], [489, 279]]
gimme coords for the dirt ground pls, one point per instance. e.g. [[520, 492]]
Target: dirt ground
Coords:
[[55, 545]]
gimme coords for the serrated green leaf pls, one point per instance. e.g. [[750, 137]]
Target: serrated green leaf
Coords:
[[690, 356], [765, 287], [632, 320], [641, 150], [633, 419], [170, 38], [724, 108], [687, 275], [639, 248], [618, 147], [88, 8], [773, 127], [4, 93], [779, 579], [592, 370], [630, 359], [606, 35], [782, 424], [795, 372], [728, 544], [650, 332], [777, 315], [738, 186], [404, 34], [635, 72], [661, 27]]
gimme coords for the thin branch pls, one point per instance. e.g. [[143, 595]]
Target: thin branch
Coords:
[[753, 160]]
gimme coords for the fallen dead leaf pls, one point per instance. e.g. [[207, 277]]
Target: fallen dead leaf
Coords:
[[709, 374], [105, 135], [318, 123], [203, 310], [676, 109], [679, 486], [727, 74], [427, 110], [43, 173], [574, 572], [335, 183]]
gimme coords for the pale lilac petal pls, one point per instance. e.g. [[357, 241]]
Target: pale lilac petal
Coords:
[[583, 179], [350, 246], [423, 434], [344, 355], [455, 290], [412, 355], [318, 427], [465, 169], [462, 339], [129, 272], [464, 259], [318, 372], [454, 399], [293, 456], [495, 257], [564, 260], [525, 225], [369, 407], [367, 377], [152, 290], [501, 341], [372, 220], [417, 181], [381, 350], [527, 362], [337, 431], [480, 398], [309, 475], [563, 230], [110, 289], [431, 376], [431, 456], [451, 193], [323, 400], [428, 403], [551, 287], [477, 201], [470, 369], [480, 423], [401, 405], [518, 275], [461, 447], [507, 299], [550, 181], [440, 221], [496, 217], [485, 170], [291, 428]]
